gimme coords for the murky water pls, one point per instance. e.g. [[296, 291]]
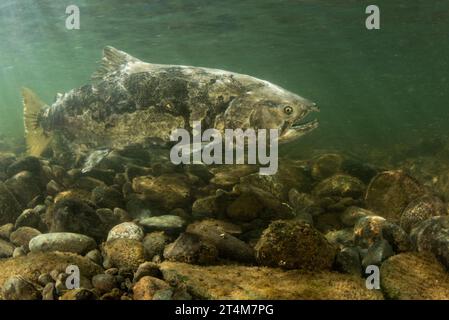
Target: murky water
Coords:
[[375, 88]]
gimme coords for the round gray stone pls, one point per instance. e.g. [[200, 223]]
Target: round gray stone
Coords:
[[62, 241]]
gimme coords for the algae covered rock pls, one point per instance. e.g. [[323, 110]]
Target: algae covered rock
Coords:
[[168, 191], [76, 216], [190, 248], [421, 209], [79, 294], [147, 287], [433, 235], [124, 253], [18, 288], [229, 247], [390, 192], [245, 208], [35, 264], [154, 244], [353, 214], [25, 186], [6, 249], [414, 276], [10, 208], [371, 229], [261, 283], [326, 165], [293, 244], [23, 235], [340, 185]]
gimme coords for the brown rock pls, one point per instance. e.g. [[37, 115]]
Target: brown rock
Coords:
[[390, 192], [249, 283], [414, 276], [23, 235], [146, 288], [293, 244], [124, 253]]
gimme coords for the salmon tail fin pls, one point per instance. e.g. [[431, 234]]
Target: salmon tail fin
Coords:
[[112, 61], [36, 138]]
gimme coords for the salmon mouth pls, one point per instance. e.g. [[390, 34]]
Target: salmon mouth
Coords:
[[305, 125], [297, 129]]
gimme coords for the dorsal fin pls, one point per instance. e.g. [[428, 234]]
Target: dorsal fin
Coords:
[[112, 61], [37, 140]]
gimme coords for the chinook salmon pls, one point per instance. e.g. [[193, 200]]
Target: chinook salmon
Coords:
[[130, 102]]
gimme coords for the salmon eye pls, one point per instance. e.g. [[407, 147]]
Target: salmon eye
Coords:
[[288, 110]]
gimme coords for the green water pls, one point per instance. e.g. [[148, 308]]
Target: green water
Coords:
[[375, 88]]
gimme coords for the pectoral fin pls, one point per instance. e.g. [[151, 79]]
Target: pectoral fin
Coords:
[[37, 139]]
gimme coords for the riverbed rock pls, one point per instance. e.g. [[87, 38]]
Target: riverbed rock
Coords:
[[245, 208], [273, 208], [211, 206], [414, 276], [348, 261], [190, 248], [35, 264], [10, 208], [433, 235], [104, 283], [123, 253], [421, 209], [31, 218], [304, 203], [6, 230], [352, 214], [23, 235], [154, 244], [73, 215], [107, 197], [294, 245], [147, 269], [229, 247], [25, 186], [19, 288], [341, 238], [126, 230], [79, 294], [377, 253], [62, 241], [168, 223], [168, 191], [6, 249], [227, 176], [326, 165], [289, 175], [147, 287], [29, 163], [340, 185], [261, 283], [390, 192]]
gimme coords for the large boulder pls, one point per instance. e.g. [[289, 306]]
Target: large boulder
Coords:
[[390, 192], [33, 265], [414, 276], [294, 245], [256, 283]]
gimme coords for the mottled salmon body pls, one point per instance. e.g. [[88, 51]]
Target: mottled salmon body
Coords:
[[130, 102]]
